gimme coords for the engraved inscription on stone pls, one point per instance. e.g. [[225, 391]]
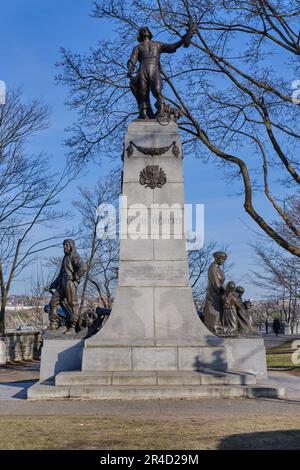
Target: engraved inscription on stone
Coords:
[[154, 273]]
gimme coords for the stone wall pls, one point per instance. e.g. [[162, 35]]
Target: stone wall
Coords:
[[22, 346]]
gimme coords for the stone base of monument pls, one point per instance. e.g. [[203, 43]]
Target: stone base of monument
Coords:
[[70, 369], [152, 385], [248, 354], [60, 355]]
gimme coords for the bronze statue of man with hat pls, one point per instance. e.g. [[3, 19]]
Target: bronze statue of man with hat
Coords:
[[148, 77], [65, 288]]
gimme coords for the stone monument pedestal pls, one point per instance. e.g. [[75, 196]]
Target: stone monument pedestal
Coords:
[[248, 354], [153, 345], [153, 325]]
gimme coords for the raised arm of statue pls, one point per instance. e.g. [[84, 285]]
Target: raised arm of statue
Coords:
[[170, 48], [184, 41]]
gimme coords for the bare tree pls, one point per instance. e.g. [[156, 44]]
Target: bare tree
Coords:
[[29, 193], [291, 205], [199, 261], [36, 288], [264, 309], [101, 253], [236, 98], [279, 275], [104, 273]]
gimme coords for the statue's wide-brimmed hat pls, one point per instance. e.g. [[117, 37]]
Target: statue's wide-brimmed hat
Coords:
[[144, 31], [219, 254]]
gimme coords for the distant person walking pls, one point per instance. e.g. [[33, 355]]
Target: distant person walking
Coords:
[[267, 327], [276, 326]]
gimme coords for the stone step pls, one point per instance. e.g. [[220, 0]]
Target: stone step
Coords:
[[180, 378], [44, 391]]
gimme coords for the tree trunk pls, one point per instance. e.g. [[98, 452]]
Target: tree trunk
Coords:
[[3, 302], [2, 314]]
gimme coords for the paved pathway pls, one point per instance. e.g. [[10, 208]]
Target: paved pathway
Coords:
[[271, 340], [16, 379], [160, 409], [11, 390], [291, 383]]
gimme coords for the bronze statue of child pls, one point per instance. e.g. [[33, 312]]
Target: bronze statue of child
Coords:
[[229, 319], [244, 318]]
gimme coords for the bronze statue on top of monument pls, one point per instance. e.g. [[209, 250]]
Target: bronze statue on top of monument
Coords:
[[148, 77]]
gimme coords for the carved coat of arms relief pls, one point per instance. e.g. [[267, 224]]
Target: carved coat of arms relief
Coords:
[[153, 177]]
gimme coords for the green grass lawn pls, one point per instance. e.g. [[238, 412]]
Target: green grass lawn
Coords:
[[280, 358]]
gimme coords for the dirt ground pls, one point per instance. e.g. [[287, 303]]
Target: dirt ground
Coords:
[[113, 433]]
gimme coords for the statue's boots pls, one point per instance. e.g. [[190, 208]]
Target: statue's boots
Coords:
[[143, 113], [73, 320], [54, 322], [160, 108]]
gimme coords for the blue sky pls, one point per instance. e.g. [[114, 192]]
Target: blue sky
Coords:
[[32, 31]]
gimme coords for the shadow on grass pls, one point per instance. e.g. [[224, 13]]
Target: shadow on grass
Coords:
[[271, 440]]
